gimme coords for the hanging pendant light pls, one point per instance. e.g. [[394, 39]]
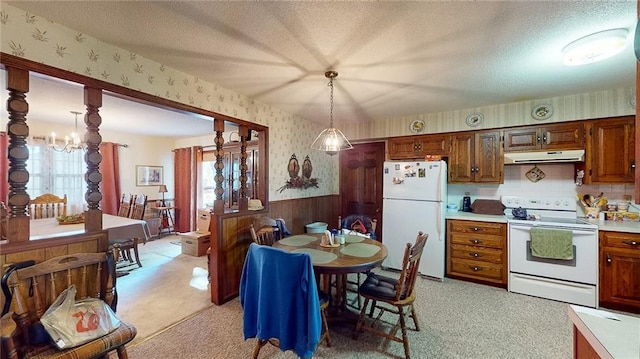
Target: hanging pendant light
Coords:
[[331, 140], [72, 142]]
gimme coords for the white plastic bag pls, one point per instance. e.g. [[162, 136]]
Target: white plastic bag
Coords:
[[71, 323]]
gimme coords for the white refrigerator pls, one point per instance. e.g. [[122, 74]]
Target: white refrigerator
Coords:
[[414, 199]]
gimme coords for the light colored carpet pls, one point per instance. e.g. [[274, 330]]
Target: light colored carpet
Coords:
[[458, 320], [169, 287]]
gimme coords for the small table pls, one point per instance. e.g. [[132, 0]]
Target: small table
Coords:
[[357, 255], [165, 212]]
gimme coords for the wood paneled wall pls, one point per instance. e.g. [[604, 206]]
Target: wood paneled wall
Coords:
[[230, 237]]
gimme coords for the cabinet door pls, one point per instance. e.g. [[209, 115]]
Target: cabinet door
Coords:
[[562, 136], [550, 137], [416, 147], [405, 148], [489, 158], [522, 139], [619, 278], [461, 160], [612, 152]]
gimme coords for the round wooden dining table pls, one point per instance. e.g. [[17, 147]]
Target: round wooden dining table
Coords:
[[357, 255]]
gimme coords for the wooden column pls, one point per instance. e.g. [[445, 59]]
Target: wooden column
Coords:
[[92, 158], [18, 132], [218, 127], [243, 201]]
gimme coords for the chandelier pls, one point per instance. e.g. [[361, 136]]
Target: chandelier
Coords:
[[71, 142], [331, 140]]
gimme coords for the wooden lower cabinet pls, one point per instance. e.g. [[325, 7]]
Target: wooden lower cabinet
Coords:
[[620, 271], [477, 251]]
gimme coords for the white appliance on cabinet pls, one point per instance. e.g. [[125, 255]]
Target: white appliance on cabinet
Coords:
[[414, 199]]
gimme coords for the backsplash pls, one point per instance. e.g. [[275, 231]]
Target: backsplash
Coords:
[[558, 182]]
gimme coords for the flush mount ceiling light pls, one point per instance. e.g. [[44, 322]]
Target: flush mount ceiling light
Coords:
[[72, 141], [331, 140], [595, 47]]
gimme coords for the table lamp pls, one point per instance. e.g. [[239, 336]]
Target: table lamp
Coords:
[[163, 190]]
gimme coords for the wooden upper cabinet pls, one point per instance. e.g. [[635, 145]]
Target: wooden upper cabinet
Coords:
[[416, 147], [476, 157], [610, 155], [549, 137]]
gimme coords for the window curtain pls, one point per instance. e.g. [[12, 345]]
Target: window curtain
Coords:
[[197, 160], [110, 170], [4, 166], [183, 163]]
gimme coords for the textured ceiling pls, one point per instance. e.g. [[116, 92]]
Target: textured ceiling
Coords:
[[393, 58]]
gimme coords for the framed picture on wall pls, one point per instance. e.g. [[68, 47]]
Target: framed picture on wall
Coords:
[[148, 175]]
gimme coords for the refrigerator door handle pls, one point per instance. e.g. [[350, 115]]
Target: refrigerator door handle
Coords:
[[440, 225]]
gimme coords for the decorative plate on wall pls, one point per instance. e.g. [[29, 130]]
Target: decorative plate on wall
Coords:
[[542, 112], [417, 126], [475, 119]]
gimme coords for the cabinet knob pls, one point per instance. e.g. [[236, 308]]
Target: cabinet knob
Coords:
[[538, 138], [475, 241], [475, 269], [632, 165], [608, 259], [475, 255], [475, 229], [631, 243]]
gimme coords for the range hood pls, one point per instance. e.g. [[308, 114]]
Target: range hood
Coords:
[[514, 158]]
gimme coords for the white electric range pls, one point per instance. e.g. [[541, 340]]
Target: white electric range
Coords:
[[572, 280]]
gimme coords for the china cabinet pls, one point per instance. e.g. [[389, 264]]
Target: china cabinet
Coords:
[[232, 171]]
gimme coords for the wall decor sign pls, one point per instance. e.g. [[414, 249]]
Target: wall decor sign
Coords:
[[148, 175], [295, 181]]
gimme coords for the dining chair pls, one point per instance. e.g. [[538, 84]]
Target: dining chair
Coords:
[[125, 205], [32, 289], [264, 236], [280, 301], [264, 221], [126, 245], [394, 296], [366, 226], [48, 206]]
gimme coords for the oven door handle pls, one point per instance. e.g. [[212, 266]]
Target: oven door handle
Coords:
[[575, 231]]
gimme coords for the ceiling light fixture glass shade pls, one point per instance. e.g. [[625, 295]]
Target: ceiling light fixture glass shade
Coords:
[[72, 142], [595, 47], [331, 140]]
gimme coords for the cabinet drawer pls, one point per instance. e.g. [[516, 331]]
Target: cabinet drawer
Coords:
[[481, 270], [480, 254], [471, 239], [496, 229], [620, 240]]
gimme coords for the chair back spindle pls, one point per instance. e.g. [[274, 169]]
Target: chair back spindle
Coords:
[[48, 206]]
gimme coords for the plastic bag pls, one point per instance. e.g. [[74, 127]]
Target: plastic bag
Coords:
[[71, 323]]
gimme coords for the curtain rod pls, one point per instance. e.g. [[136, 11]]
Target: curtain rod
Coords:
[[43, 138]]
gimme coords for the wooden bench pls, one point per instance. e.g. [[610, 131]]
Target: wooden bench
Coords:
[[33, 290]]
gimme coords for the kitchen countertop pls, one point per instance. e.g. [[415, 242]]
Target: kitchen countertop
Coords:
[[611, 335], [611, 226], [468, 216], [617, 226]]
